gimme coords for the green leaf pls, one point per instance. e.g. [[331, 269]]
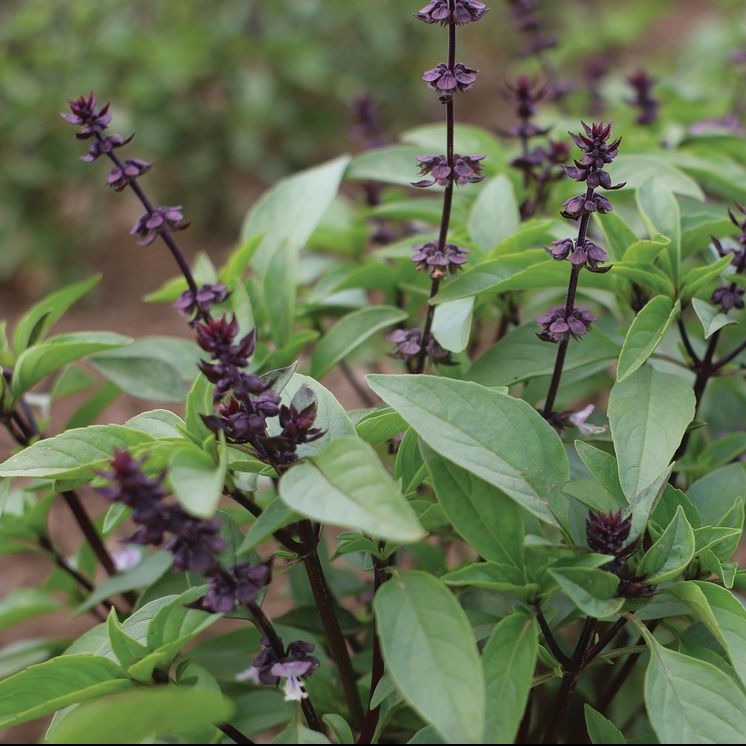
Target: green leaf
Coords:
[[339, 727], [508, 659], [198, 402], [88, 412], [379, 425], [39, 361], [496, 576], [690, 701], [23, 604], [661, 213], [159, 423], [393, 164], [592, 590], [347, 485], [452, 324], [467, 139], [486, 518], [127, 650], [33, 326], [74, 452], [603, 467], [673, 551], [431, 654], [307, 196], [494, 215], [696, 278], [716, 493], [521, 355], [637, 169], [146, 572], [600, 729], [502, 440], [153, 368], [530, 235], [491, 276], [275, 516], [147, 713], [617, 234], [299, 734], [646, 333], [710, 317], [197, 480], [729, 626], [648, 415], [349, 333], [57, 683]]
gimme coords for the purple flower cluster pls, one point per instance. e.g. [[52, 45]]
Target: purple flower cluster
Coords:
[[295, 665], [93, 123], [642, 85], [195, 543], [466, 169], [731, 295], [541, 164], [198, 305], [445, 81], [527, 16], [607, 533], [248, 401], [437, 262], [557, 325], [465, 11], [588, 254], [408, 345]]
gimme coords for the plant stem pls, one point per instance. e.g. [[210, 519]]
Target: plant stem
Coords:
[[233, 733], [281, 534], [572, 289], [570, 680], [278, 649], [445, 217], [732, 355], [687, 342], [164, 233], [550, 639], [325, 605], [599, 647], [380, 576]]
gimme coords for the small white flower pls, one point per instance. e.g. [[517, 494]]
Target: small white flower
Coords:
[[250, 674], [578, 419], [291, 671], [293, 689]]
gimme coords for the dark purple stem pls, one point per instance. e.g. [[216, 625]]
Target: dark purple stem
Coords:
[[572, 289], [164, 232], [445, 218]]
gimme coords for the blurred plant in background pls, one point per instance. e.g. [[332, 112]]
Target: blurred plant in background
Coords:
[[274, 82]]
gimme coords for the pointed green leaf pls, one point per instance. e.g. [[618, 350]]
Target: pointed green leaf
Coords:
[[127, 650], [39, 361], [307, 196], [143, 714], [600, 729], [592, 590], [431, 654], [33, 326], [673, 551], [648, 415], [349, 333], [485, 517], [494, 215], [710, 317], [645, 334], [452, 324], [74, 452], [502, 440], [689, 700], [661, 213], [57, 683], [508, 659], [197, 480], [347, 485]]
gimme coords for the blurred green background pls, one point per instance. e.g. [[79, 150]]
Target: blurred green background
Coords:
[[228, 95]]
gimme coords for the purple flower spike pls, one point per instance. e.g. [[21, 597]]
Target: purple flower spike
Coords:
[[446, 81], [150, 225], [467, 169], [557, 325], [466, 11], [206, 297], [438, 264], [121, 176]]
